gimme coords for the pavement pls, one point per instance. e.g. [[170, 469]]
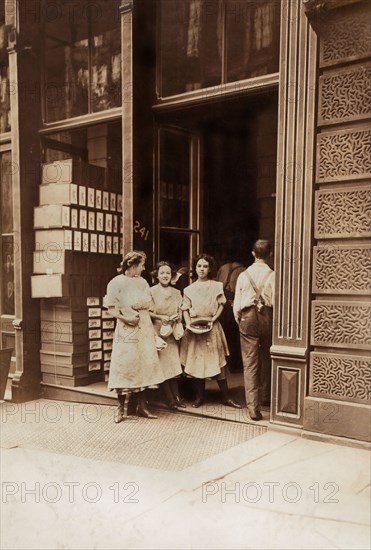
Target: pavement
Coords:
[[72, 479]]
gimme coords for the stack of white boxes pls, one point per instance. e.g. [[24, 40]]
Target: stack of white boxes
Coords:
[[77, 221]]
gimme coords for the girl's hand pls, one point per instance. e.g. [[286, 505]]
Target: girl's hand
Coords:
[[165, 319], [175, 317]]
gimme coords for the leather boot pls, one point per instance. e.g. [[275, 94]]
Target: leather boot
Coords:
[[142, 407], [199, 384], [226, 400], [122, 410]]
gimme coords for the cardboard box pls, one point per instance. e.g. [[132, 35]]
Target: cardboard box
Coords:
[[73, 171], [49, 286], [71, 381], [64, 370], [54, 261], [53, 193], [54, 239], [95, 344], [53, 215], [94, 323], [94, 366], [65, 347], [63, 332], [93, 301], [63, 359]]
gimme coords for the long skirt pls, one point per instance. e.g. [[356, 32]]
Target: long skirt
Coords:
[[204, 355], [134, 362]]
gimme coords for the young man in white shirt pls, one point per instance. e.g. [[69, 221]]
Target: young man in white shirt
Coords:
[[253, 311]]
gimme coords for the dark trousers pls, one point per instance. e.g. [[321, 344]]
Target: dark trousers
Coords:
[[256, 340]]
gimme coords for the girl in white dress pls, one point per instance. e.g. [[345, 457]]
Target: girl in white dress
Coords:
[[203, 355], [166, 315], [134, 363]]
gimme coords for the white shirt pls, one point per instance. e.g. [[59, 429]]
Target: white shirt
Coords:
[[245, 294]]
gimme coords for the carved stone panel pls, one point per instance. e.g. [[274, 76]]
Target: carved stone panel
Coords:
[[288, 391], [345, 377], [345, 95], [342, 269], [344, 155], [340, 214], [346, 35], [341, 324]]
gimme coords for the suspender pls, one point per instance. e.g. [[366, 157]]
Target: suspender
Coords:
[[257, 290]]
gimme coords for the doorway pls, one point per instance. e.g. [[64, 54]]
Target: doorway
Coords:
[[234, 181]]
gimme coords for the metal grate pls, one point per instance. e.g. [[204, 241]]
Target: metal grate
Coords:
[[172, 442]]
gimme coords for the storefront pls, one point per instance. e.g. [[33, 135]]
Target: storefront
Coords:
[[177, 127]]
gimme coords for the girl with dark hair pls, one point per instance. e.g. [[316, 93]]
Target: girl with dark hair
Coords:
[[204, 346], [166, 316], [134, 362]]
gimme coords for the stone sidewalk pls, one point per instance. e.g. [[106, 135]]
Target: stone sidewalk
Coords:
[[253, 490]]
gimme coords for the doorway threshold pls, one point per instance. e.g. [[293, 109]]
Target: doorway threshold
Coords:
[[98, 394]]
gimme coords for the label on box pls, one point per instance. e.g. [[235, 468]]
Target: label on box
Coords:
[[108, 335], [115, 223], [91, 197], [100, 221], [121, 246], [68, 239], [95, 333], [121, 224], [94, 312], [82, 195], [106, 314], [107, 355], [94, 365], [66, 216], [106, 366], [115, 245], [91, 221], [98, 198], [108, 244], [108, 223], [93, 301], [109, 324], [74, 218], [119, 203], [93, 242], [85, 242], [74, 193], [95, 344], [105, 205], [77, 244], [107, 345], [95, 355], [83, 219], [112, 201], [101, 244], [94, 323]]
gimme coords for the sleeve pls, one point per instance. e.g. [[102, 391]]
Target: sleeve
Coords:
[[186, 303], [271, 287], [111, 298], [152, 305], [237, 298], [220, 296], [147, 302]]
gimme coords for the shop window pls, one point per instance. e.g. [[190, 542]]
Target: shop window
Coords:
[[7, 237], [82, 58], [4, 76], [206, 43], [178, 196]]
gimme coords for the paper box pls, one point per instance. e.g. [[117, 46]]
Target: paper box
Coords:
[[53, 193], [53, 215]]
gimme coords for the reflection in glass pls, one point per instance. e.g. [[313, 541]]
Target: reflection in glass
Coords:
[[174, 192]]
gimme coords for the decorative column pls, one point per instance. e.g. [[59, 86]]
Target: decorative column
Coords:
[[24, 71], [293, 214], [338, 400], [126, 10]]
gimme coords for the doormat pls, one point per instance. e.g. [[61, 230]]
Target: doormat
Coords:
[[172, 442]]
